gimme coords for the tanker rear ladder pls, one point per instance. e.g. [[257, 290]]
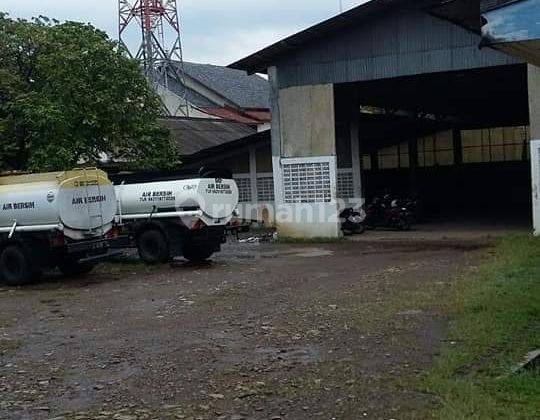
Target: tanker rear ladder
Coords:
[[91, 216]]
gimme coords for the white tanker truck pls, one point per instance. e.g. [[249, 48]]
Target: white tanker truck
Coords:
[[175, 218], [59, 219]]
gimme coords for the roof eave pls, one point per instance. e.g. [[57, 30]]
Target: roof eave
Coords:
[[260, 61]]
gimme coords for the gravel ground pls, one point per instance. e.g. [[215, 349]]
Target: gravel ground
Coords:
[[264, 331]]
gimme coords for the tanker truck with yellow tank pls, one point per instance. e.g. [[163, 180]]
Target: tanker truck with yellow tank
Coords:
[[49, 220], [175, 218]]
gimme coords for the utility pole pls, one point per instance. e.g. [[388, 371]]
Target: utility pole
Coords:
[[160, 47]]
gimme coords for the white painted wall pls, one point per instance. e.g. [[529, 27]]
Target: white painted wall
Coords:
[[534, 111]]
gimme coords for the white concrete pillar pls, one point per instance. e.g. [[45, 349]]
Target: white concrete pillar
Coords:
[[304, 160], [356, 162], [534, 112], [535, 165]]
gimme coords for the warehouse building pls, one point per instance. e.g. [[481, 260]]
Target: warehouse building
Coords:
[[391, 96]]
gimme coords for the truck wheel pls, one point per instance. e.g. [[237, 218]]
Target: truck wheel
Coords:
[[153, 247], [16, 266], [72, 268], [197, 253]]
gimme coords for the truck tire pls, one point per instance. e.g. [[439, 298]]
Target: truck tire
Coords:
[[16, 266], [72, 268], [198, 253], [153, 247]]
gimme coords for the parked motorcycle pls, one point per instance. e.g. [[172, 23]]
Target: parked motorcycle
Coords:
[[415, 206], [387, 213], [352, 222]]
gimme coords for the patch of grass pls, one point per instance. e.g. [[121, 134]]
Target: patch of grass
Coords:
[[496, 320]]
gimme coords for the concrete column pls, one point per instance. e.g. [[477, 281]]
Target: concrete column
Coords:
[[253, 174], [534, 100], [304, 135], [355, 155], [458, 146], [413, 166], [534, 112], [274, 110]]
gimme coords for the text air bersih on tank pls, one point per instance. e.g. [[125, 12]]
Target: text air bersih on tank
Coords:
[[18, 206], [89, 200]]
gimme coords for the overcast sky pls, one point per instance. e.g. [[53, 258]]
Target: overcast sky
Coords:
[[215, 31]]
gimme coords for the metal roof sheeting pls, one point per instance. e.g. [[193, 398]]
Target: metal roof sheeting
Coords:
[[261, 60], [463, 12], [399, 43], [191, 135]]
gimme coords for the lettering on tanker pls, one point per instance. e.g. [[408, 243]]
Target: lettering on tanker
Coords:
[[89, 200], [219, 189], [19, 206], [157, 196]]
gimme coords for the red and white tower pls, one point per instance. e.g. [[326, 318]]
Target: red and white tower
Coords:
[[156, 43]]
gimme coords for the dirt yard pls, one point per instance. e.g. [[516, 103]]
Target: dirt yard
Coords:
[[337, 331]]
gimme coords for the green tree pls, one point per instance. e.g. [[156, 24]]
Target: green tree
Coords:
[[67, 95]]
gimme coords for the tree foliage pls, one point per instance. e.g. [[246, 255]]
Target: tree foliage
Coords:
[[68, 95]]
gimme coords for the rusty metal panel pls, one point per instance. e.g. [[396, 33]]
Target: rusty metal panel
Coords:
[[397, 43]]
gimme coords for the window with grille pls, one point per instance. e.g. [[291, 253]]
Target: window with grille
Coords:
[[436, 149], [265, 188], [345, 184], [502, 144], [307, 181], [394, 157], [244, 189]]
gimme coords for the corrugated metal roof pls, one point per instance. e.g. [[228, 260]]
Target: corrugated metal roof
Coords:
[[401, 42], [261, 60], [264, 137], [192, 135]]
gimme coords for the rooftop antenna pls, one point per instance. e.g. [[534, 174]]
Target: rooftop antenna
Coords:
[[160, 47], [340, 6]]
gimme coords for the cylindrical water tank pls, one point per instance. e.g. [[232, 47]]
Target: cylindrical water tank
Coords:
[[82, 202], [217, 199]]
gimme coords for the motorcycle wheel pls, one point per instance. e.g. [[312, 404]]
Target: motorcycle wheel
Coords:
[[360, 229], [404, 225]]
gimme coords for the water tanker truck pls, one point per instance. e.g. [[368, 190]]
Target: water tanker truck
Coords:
[[49, 220], [175, 218]]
